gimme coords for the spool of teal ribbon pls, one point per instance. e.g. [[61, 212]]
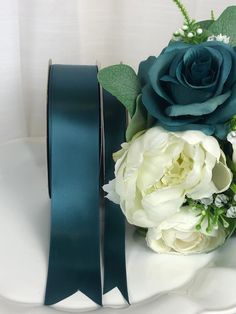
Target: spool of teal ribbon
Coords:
[[74, 154], [74, 148]]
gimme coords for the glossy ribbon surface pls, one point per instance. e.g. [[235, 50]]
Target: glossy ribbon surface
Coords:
[[114, 232], [74, 148], [75, 127]]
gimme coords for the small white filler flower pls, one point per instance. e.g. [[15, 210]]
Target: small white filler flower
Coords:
[[207, 201], [199, 31], [221, 200], [223, 38], [185, 27], [231, 212]]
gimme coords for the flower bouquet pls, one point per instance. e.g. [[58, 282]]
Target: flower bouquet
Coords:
[[175, 174]]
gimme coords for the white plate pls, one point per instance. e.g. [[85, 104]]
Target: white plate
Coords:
[[157, 283]]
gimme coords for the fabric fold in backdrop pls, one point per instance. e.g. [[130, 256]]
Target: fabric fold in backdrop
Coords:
[[74, 176]]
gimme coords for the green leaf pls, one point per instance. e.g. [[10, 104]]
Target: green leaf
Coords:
[[231, 165], [141, 231], [233, 123], [138, 121], [226, 24], [122, 82], [232, 226], [233, 188], [205, 24]]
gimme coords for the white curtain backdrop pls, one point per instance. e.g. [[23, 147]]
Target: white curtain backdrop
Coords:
[[75, 32]]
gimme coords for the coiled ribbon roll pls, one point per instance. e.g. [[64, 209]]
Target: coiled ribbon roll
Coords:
[[74, 149]]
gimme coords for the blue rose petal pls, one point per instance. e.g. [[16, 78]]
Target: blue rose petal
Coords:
[[183, 95], [224, 113], [178, 59], [144, 67], [158, 70], [191, 87], [150, 101], [225, 71], [197, 109], [221, 130], [205, 128]]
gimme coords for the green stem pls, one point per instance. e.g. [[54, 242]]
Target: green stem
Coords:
[[184, 11], [225, 223], [233, 187], [199, 225], [212, 15]]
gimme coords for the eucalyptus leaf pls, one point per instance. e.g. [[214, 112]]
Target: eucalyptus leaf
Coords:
[[205, 24], [138, 121], [226, 24], [122, 82]]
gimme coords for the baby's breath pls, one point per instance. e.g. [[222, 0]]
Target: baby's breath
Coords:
[[190, 32], [215, 210], [184, 11]]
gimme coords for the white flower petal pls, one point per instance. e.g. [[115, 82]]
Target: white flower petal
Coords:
[[141, 219], [221, 177], [177, 234], [195, 175], [205, 188], [162, 204], [111, 193], [150, 172]]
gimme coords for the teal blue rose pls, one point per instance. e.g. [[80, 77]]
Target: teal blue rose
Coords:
[[191, 87]]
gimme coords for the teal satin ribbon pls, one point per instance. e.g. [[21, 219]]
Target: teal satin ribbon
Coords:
[[74, 176], [114, 231], [74, 148]]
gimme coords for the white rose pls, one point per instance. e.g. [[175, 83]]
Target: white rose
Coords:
[[157, 170], [178, 234]]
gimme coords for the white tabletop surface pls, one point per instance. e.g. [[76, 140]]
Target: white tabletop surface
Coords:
[[157, 283]]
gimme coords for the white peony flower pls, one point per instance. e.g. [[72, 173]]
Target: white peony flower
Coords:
[[178, 234], [223, 38], [157, 170]]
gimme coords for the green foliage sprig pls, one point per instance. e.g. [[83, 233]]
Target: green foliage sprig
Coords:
[[215, 214], [191, 32], [233, 123], [212, 15], [184, 12]]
